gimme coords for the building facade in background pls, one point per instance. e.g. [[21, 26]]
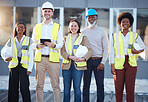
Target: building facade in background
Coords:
[[29, 11]]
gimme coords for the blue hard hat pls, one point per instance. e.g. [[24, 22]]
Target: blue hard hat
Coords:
[[91, 12]]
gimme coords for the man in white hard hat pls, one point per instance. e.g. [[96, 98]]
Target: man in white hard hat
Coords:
[[98, 40], [47, 55]]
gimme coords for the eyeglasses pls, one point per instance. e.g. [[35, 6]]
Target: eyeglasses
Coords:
[[21, 27]]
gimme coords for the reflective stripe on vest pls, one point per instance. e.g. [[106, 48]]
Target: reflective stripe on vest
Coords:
[[119, 50], [54, 53], [14, 62], [24, 59], [68, 47]]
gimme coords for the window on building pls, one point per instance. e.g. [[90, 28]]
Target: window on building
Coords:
[[29, 16], [73, 13], [6, 24], [142, 26], [103, 19]]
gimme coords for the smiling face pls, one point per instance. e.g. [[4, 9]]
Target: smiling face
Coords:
[[74, 27], [92, 18], [125, 24], [47, 13], [20, 28]]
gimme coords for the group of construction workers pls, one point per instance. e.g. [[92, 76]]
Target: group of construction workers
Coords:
[[46, 58]]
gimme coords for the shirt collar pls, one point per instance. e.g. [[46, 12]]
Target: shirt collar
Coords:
[[93, 26], [126, 34], [51, 23], [21, 39]]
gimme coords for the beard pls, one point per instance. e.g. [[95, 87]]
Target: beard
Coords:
[[92, 24], [47, 17]]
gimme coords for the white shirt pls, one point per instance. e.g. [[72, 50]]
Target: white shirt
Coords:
[[19, 53], [73, 37], [46, 34], [125, 46]]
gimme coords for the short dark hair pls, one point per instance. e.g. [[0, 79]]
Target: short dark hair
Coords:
[[125, 15], [74, 20], [20, 22]]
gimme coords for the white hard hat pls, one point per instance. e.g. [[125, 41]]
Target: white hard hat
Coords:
[[136, 46], [81, 51], [8, 52], [47, 5]]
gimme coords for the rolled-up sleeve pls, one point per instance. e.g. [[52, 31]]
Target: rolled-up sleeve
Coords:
[[59, 39], [34, 39], [140, 42], [30, 55]]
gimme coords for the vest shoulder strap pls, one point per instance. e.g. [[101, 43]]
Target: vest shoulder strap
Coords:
[[38, 24], [136, 35], [56, 24], [28, 43]]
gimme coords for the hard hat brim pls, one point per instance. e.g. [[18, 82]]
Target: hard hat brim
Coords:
[[91, 15], [47, 8]]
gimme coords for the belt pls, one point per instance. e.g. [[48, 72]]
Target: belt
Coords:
[[95, 58], [45, 55]]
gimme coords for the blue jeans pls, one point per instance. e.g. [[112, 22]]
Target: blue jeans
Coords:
[[68, 76], [99, 77]]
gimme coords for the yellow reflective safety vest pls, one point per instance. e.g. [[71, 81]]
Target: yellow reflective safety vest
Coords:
[[24, 59], [54, 53], [68, 47], [119, 50]]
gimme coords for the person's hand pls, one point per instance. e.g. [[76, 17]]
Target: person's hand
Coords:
[[28, 72], [134, 51], [40, 45], [73, 58], [50, 44], [80, 60], [100, 67], [8, 59], [113, 69]]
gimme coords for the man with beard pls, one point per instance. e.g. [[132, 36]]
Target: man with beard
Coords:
[[47, 55], [98, 40]]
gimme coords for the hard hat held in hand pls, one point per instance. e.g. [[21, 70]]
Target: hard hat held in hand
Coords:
[[8, 52], [81, 51], [136, 46], [48, 5]]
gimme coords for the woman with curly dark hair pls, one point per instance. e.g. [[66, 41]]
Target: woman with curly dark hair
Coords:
[[122, 57], [20, 63]]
